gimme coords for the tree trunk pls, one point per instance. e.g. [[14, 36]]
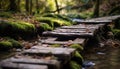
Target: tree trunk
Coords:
[[96, 8], [27, 5], [37, 6], [18, 3], [0, 4], [57, 6], [12, 5], [31, 6]]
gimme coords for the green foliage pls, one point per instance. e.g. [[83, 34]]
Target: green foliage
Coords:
[[74, 65], [77, 46], [78, 58], [17, 29], [5, 14]]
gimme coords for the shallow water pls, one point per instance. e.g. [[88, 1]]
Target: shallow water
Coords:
[[107, 59]]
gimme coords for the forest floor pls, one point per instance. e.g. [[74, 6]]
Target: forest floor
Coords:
[[106, 56]]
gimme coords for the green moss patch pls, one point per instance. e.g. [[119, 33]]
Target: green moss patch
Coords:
[[78, 47], [55, 45], [74, 65], [43, 27], [54, 22], [17, 29], [78, 58], [6, 44]]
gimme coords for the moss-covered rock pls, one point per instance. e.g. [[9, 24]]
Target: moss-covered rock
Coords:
[[6, 44], [53, 22], [43, 27], [78, 58], [17, 29], [74, 65], [78, 47]]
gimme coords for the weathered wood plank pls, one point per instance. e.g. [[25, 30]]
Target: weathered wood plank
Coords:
[[74, 30], [80, 41], [56, 34], [93, 21], [83, 26], [60, 53], [10, 65]]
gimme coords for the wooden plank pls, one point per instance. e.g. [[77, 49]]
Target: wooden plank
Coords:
[[83, 26], [10, 65], [74, 30], [56, 34], [93, 21], [80, 41], [60, 53]]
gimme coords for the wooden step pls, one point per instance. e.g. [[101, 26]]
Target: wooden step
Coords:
[[93, 21], [11, 65], [83, 26], [75, 41], [64, 34], [63, 54], [86, 30]]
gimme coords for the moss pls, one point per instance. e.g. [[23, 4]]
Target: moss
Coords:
[[78, 58], [15, 43], [5, 14], [5, 45], [54, 22], [44, 27], [17, 29], [55, 45], [116, 33], [8, 43], [74, 65], [77, 46]]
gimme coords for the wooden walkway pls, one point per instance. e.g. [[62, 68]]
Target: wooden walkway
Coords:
[[46, 57]]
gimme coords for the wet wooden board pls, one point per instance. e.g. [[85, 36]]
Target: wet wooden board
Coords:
[[106, 18], [83, 26], [77, 41], [51, 64], [10, 65], [74, 30], [93, 21], [60, 53], [64, 34]]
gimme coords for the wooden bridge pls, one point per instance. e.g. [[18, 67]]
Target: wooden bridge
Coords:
[[46, 57]]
